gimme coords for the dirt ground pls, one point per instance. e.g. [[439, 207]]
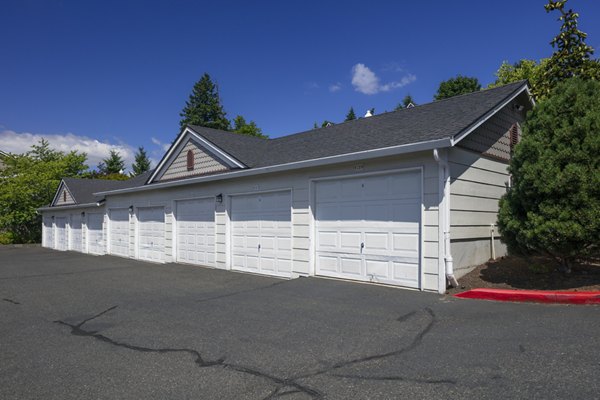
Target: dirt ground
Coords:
[[533, 274]]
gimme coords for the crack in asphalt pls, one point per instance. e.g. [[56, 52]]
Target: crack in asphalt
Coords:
[[77, 330], [242, 292], [12, 301], [414, 344], [280, 383], [398, 378]]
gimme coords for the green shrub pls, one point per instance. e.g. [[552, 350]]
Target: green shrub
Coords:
[[553, 207]]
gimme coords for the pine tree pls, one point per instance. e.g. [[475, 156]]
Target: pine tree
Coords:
[[553, 206], [203, 108], [351, 115], [113, 164], [142, 162], [405, 102]]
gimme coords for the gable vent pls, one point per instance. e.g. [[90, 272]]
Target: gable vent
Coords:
[[190, 160]]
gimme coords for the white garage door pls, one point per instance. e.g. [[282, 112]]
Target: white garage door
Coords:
[[151, 239], [261, 231], [48, 233], [95, 238], [75, 236], [196, 231], [118, 231], [368, 228], [61, 233]]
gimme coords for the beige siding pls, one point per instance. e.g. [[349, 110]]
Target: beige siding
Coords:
[[204, 163], [64, 193], [493, 137], [299, 183], [477, 186]]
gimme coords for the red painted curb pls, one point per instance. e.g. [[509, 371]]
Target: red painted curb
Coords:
[[536, 296]]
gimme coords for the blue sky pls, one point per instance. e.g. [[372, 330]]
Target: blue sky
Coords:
[[94, 75]]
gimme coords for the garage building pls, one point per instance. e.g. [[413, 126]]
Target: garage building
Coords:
[[406, 198]]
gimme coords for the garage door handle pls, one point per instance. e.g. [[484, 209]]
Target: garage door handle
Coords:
[[259, 247], [362, 246]]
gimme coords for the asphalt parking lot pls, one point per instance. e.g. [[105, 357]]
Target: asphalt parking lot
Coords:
[[75, 326]]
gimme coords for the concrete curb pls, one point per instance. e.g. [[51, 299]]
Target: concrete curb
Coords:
[[534, 296]]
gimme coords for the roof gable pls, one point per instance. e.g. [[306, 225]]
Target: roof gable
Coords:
[[63, 196], [192, 160], [207, 158]]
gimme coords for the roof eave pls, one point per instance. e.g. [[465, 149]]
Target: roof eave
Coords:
[[71, 206], [465, 132], [349, 157]]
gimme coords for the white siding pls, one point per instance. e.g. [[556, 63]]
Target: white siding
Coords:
[[493, 137], [302, 226]]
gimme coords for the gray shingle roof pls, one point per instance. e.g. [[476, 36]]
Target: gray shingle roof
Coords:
[[437, 120], [83, 189]]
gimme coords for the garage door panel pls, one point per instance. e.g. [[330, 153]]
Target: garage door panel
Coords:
[[261, 233], [61, 233], [379, 269], [377, 241], [76, 237], [119, 232], [351, 266], [405, 271], [382, 213], [195, 231], [151, 234], [350, 241], [94, 234], [328, 263]]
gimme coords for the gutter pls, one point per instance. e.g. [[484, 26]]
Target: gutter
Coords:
[[72, 206], [444, 216], [358, 156]]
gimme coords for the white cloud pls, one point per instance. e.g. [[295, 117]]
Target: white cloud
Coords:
[[365, 81], [20, 142], [398, 84], [163, 146], [335, 87]]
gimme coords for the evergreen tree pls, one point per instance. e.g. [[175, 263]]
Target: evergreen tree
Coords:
[[250, 129], [113, 164], [326, 123], [405, 102], [203, 108], [553, 206], [456, 86], [351, 115], [142, 162]]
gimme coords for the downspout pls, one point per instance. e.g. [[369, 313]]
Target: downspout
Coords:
[[445, 213]]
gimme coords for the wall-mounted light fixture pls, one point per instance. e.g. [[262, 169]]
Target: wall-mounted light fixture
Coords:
[[53, 218], [219, 198], [131, 209], [518, 107], [82, 214]]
